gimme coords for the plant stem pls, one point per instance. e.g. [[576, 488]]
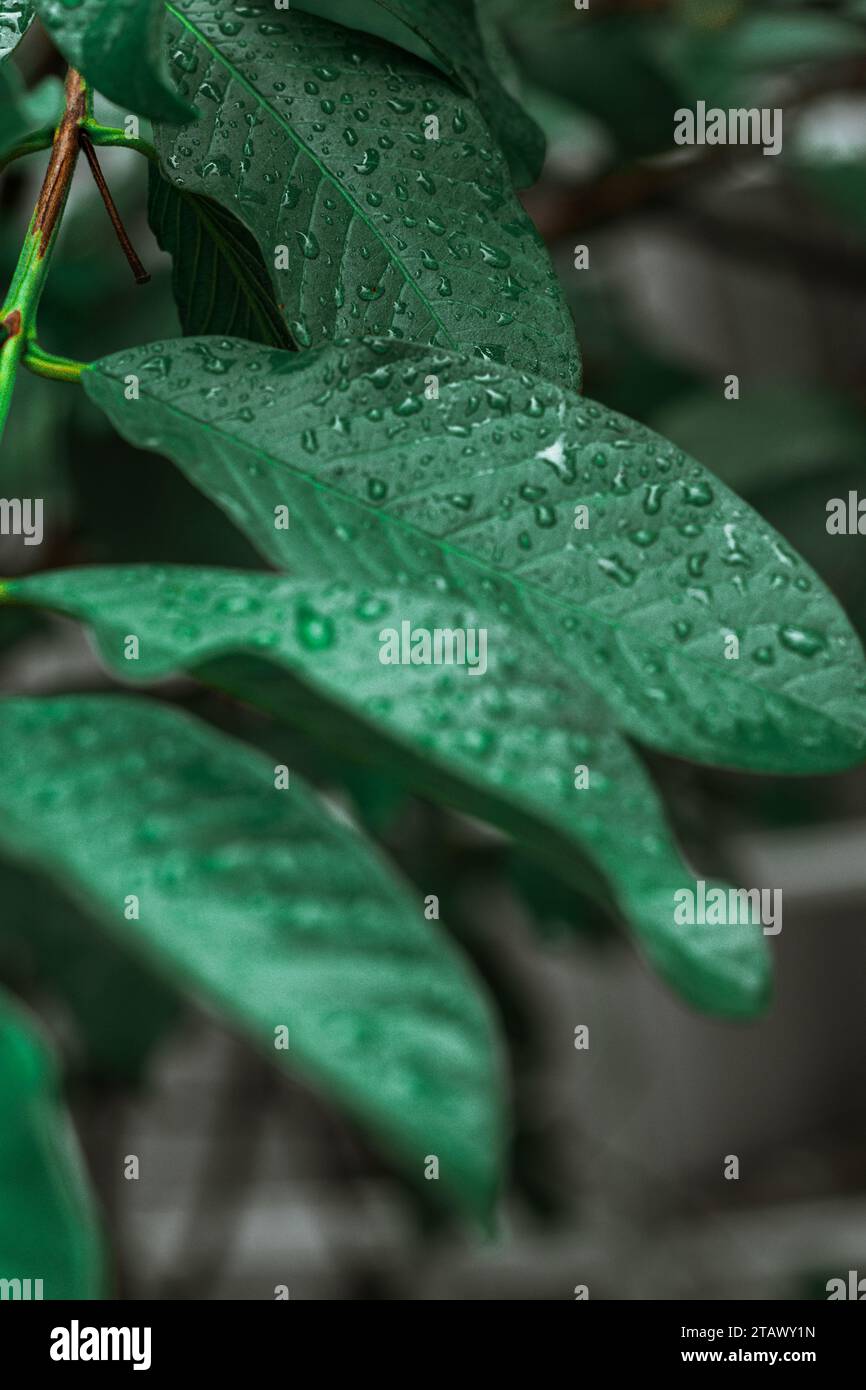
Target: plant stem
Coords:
[[49, 364], [112, 136], [18, 314], [138, 270]]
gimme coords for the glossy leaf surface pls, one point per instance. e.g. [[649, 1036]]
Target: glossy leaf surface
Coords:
[[277, 914], [316, 139], [504, 742], [479, 491]]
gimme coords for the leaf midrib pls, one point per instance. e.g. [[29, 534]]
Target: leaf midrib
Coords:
[[521, 585], [357, 210]]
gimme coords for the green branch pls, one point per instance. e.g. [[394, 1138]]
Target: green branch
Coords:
[[18, 314]]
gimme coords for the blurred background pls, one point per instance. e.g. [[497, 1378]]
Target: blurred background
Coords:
[[702, 262]]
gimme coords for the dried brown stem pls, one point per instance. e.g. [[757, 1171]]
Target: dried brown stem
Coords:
[[138, 270]]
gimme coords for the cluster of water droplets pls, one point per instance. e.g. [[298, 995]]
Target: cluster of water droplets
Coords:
[[328, 155]]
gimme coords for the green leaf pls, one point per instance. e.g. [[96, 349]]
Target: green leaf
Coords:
[[23, 113], [446, 33], [219, 280], [48, 1227], [503, 745], [15, 19], [314, 137], [280, 916], [477, 491], [117, 45]]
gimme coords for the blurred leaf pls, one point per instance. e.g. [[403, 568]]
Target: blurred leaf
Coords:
[[48, 1227], [638, 604], [22, 112], [386, 232], [276, 912], [505, 747], [219, 279], [117, 46]]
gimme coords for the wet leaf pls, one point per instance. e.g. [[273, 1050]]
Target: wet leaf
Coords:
[[15, 19], [446, 33], [117, 45], [276, 913], [480, 491], [314, 137], [503, 743], [219, 281]]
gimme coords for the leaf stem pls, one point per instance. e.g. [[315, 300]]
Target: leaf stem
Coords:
[[138, 270], [18, 313], [114, 137], [49, 364]]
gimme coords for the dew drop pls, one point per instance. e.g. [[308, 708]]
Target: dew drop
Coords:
[[804, 641]]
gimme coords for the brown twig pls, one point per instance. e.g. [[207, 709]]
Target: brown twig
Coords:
[[64, 153], [138, 270]]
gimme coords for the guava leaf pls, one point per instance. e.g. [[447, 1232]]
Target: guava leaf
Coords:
[[48, 1226], [503, 744], [117, 45], [15, 19], [480, 490], [446, 33], [276, 913], [219, 281], [314, 137]]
